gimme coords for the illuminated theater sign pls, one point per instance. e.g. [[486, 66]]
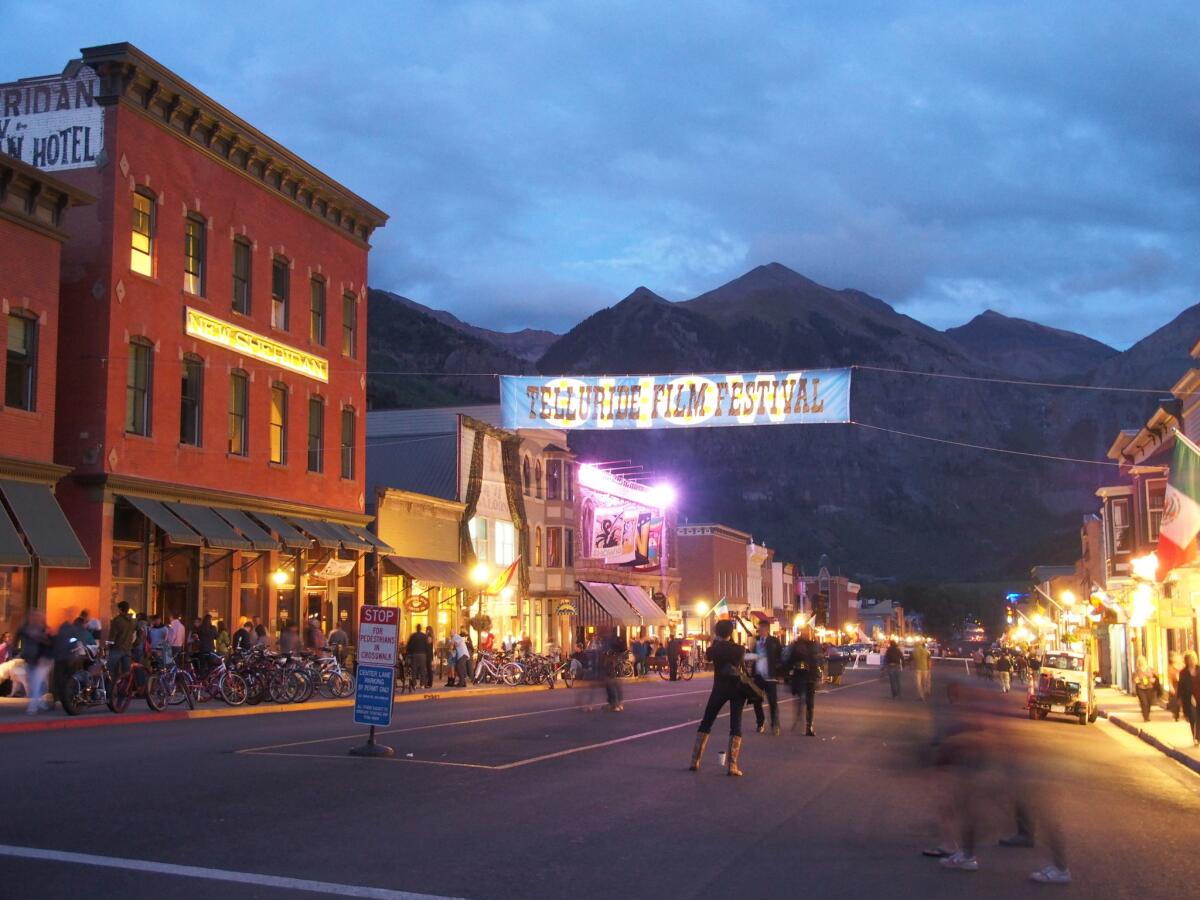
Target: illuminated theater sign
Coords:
[[675, 401], [241, 340]]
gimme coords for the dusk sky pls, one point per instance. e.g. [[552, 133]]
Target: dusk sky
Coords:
[[541, 160]]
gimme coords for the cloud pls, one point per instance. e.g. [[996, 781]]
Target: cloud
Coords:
[[541, 159]]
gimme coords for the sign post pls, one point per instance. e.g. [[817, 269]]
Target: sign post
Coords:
[[375, 680]]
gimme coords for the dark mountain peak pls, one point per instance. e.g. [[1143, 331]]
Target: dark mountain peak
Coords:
[[642, 294], [1019, 346], [773, 275]]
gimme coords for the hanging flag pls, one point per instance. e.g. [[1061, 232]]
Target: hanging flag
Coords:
[[500, 582], [1181, 509], [721, 610]]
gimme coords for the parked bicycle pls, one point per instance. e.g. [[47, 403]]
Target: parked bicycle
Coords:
[[490, 668]]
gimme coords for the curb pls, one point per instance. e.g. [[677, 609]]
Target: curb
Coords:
[[1147, 737], [221, 712]]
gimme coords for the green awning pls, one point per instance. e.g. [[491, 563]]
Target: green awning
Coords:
[[322, 532], [350, 537], [216, 531], [256, 534], [166, 521], [12, 550], [285, 531], [44, 525], [372, 539]]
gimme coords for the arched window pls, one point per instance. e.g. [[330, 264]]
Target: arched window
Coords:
[[525, 475], [537, 546], [537, 479]]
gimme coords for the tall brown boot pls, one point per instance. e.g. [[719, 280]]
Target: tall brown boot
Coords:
[[698, 750], [735, 750]]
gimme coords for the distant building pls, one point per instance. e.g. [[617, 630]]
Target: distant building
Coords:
[[713, 567], [832, 600]]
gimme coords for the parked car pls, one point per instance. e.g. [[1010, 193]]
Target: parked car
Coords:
[[1065, 683]]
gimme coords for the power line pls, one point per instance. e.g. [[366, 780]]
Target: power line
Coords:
[[937, 440], [1016, 381]]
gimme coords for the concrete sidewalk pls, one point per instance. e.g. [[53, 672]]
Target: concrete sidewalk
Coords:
[[1161, 732]]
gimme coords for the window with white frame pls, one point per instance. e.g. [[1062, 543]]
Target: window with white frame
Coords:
[[505, 545], [478, 527], [1156, 490]]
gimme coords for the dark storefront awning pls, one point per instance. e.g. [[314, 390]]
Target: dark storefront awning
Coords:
[[292, 538], [215, 530], [372, 539], [46, 528], [652, 614], [350, 537], [319, 531], [759, 616], [258, 536], [431, 571], [611, 602], [158, 513], [12, 550]]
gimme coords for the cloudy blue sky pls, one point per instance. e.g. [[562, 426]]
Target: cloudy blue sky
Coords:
[[540, 160]]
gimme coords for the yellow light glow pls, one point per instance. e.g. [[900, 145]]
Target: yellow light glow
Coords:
[[506, 594], [443, 618], [1039, 620], [1142, 606], [481, 574], [1145, 567], [798, 622], [702, 608], [1067, 597], [851, 628], [241, 340], [279, 577]]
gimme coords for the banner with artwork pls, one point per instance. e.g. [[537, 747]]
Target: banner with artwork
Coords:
[[627, 536], [675, 401]]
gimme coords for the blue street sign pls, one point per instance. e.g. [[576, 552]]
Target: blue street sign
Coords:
[[374, 689]]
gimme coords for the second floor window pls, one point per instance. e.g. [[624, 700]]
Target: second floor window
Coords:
[[194, 248], [349, 421], [478, 527], [1156, 492], [20, 368], [568, 546], [1120, 537], [506, 543], [554, 479], [241, 276], [554, 559], [239, 410], [316, 434], [138, 386], [279, 410], [191, 396], [316, 318], [141, 255], [349, 326], [280, 293]]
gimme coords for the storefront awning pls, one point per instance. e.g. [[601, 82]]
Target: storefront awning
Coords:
[[291, 537], [12, 550], [46, 528], [372, 539], [216, 531], [167, 522], [319, 531], [650, 611], [431, 571], [612, 602], [258, 536], [759, 616], [350, 537]]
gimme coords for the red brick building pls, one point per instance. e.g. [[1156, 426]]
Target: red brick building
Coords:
[[713, 565], [211, 378], [34, 534]]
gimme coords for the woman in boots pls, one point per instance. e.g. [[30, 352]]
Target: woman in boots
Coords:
[[726, 658]]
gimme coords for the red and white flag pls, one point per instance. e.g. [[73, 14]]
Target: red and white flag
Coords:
[[1181, 509]]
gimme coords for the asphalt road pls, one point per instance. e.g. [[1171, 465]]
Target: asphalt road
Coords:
[[531, 796]]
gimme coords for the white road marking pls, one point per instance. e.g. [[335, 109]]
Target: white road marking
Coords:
[[160, 868], [267, 751], [478, 721]]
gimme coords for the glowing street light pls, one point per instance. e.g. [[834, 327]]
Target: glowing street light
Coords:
[[702, 609], [1067, 597], [1145, 567], [279, 577], [481, 574]]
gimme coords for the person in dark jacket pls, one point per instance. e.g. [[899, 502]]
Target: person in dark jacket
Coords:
[[243, 640], [416, 655], [1189, 694], [804, 663], [765, 660], [206, 645], [674, 646], [726, 658], [893, 659], [121, 633]]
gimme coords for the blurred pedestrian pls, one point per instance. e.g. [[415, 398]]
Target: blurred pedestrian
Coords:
[[122, 632], [243, 640], [1004, 672], [922, 670], [1144, 681], [417, 655], [726, 658], [339, 641], [223, 640], [766, 666], [462, 657], [261, 638], [674, 646], [1174, 667], [804, 663], [34, 643], [177, 637], [893, 661], [616, 655], [1189, 694], [429, 662], [314, 634]]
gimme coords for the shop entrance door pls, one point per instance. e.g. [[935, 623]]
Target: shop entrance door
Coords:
[[176, 599]]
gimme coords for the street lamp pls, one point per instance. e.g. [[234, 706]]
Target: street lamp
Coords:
[[1145, 567]]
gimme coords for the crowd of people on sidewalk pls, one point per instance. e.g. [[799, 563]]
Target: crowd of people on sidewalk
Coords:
[[1180, 695]]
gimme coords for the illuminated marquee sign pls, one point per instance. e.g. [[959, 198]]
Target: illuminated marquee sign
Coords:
[[675, 401], [225, 334]]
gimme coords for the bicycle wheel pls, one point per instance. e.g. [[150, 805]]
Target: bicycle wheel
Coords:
[[157, 694], [511, 674], [568, 676], [686, 671], [664, 672], [340, 686], [121, 694], [233, 689], [277, 688], [185, 686], [299, 688], [70, 699]]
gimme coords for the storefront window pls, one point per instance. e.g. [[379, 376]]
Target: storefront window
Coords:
[[14, 595], [254, 589], [215, 590]]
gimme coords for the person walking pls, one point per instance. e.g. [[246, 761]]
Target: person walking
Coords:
[[726, 658], [416, 653], [122, 631], [923, 671], [893, 659], [1004, 672], [766, 665], [1174, 667], [339, 641], [674, 646], [1143, 685], [1189, 694], [35, 649], [462, 657], [429, 660], [804, 663]]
